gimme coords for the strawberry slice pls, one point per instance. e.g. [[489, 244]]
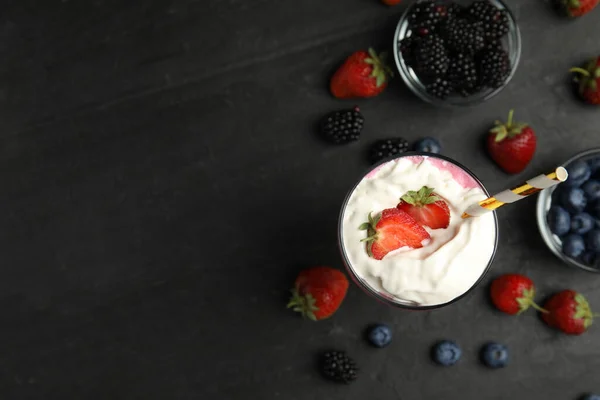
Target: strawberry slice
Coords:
[[426, 207], [392, 230]]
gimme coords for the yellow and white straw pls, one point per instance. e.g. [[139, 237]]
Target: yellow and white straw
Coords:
[[530, 187]]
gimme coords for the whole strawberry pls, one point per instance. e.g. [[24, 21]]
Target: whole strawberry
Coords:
[[511, 145], [569, 312], [513, 294], [589, 81], [363, 74], [577, 8], [318, 292]]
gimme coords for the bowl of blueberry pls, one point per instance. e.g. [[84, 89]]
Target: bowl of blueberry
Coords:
[[457, 53], [568, 215]]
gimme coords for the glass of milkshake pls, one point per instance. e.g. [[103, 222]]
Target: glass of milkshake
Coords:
[[440, 269]]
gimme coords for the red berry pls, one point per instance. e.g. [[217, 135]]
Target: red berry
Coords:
[[511, 145], [426, 207], [569, 312], [589, 81], [513, 294], [363, 74], [392, 230], [318, 292]]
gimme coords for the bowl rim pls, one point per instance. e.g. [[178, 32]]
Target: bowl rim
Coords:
[[544, 202], [415, 86], [390, 299]]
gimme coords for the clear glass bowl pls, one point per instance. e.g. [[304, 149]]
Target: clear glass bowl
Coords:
[[382, 295], [544, 203], [512, 42]]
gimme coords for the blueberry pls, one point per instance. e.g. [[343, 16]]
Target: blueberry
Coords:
[[573, 245], [446, 353], [582, 223], [592, 240], [494, 355], [428, 145], [380, 335], [589, 258], [591, 189], [591, 397], [573, 199], [559, 220], [579, 172], [594, 164], [594, 210]]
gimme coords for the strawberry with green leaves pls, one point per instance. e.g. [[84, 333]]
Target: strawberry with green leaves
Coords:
[[578, 8], [318, 292], [513, 294], [511, 145], [589, 81], [426, 207], [392, 230], [569, 312], [363, 74]]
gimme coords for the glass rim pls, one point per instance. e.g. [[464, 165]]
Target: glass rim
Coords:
[[416, 86], [544, 202], [391, 299]]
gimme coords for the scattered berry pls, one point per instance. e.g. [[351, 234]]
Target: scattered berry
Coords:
[[582, 223], [463, 36], [579, 172], [559, 220], [591, 189], [573, 199], [494, 355], [513, 294], [431, 58], [569, 312], [511, 145], [573, 245], [439, 88], [363, 74], [494, 20], [392, 230], [343, 126], [494, 68], [589, 80], [446, 353], [462, 73], [426, 207], [337, 366], [380, 335], [426, 15], [592, 240], [578, 8], [318, 292], [428, 145], [387, 148]]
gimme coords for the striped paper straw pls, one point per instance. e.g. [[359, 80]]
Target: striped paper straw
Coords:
[[530, 187]]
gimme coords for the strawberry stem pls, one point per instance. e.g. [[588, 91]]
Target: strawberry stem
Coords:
[[511, 113], [540, 309], [578, 70]]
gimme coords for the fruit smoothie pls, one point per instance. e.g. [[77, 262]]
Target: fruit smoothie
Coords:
[[415, 249]]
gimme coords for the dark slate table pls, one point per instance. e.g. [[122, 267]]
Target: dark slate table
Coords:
[[162, 186]]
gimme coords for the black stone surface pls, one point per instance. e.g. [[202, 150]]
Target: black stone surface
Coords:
[[162, 186]]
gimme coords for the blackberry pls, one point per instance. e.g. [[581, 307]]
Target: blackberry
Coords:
[[426, 15], [455, 11], [494, 20], [407, 48], [440, 88], [430, 56], [463, 36], [342, 126], [387, 148], [337, 366], [494, 68], [494, 45], [462, 73]]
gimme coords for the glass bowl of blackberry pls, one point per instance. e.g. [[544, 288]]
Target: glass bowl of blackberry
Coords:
[[457, 53], [568, 215]]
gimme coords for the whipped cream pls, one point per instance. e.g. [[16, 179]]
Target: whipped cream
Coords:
[[451, 262]]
